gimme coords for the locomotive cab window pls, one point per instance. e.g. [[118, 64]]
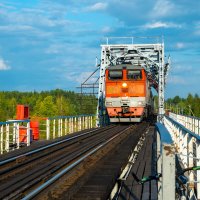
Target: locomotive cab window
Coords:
[[134, 74], [115, 74]]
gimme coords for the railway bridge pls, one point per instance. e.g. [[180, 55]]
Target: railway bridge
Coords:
[[86, 157]]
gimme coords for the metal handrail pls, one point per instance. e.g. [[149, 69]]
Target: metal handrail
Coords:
[[183, 128], [187, 145], [165, 163]]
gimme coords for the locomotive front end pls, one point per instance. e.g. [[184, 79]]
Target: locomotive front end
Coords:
[[126, 96]]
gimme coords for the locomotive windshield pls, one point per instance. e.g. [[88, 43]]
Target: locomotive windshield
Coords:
[[134, 74], [115, 74]]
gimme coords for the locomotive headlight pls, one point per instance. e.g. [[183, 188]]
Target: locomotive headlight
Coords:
[[108, 103], [141, 103], [124, 85]]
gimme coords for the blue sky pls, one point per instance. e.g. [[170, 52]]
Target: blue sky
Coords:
[[48, 44]]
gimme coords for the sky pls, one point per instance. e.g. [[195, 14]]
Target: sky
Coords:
[[48, 44]]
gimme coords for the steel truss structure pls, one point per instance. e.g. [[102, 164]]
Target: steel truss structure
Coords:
[[149, 56]]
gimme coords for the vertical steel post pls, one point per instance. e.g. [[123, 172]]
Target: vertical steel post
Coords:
[[159, 163], [54, 128], [70, 125], [168, 172], [14, 133], [91, 121], [65, 126], [7, 137], [190, 161], [185, 150], [75, 124], [1, 139], [73, 118], [28, 138], [81, 123], [87, 122], [198, 171], [78, 123], [58, 127], [18, 142], [61, 126], [161, 86], [47, 129]]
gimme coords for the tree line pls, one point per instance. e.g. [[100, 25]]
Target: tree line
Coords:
[[65, 103], [46, 103], [186, 106]]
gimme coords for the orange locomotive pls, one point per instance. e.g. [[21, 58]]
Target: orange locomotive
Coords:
[[127, 92]]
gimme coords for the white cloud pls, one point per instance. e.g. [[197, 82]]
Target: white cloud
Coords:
[[163, 8], [176, 80], [3, 65], [180, 45], [197, 28], [182, 68], [106, 29], [160, 24], [96, 7], [80, 78], [16, 28], [55, 49]]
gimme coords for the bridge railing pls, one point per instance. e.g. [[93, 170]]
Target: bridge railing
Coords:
[[63, 125], [17, 133], [189, 122], [187, 146], [10, 134], [165, 163]]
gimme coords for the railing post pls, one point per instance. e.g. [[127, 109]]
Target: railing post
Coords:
[[75, 124], [86, 122], [168, 172], [61, 126], [70, 125], [91, 122], [65, 126], [18, 143], [165, 164], [1, 139], [58, 127], [78, 123], [54, 128], [159, 163], [14, 133], [28, 138], [190, 162], [198, 171], [7, 137], [185, 148], [48, 129]]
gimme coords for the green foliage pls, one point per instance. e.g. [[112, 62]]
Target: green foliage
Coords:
[[46, 103], [187, 106]]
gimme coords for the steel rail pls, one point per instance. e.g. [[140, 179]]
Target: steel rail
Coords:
[[44, 148], [105, 129], [68, 168]]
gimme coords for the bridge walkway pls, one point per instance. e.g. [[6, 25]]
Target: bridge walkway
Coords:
[[144, 165]]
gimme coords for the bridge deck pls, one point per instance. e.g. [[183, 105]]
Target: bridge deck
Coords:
[[144, 166]]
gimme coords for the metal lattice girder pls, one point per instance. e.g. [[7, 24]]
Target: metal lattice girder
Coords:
[[148, 56]]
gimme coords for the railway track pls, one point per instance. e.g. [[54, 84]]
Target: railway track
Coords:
[[30, 174]]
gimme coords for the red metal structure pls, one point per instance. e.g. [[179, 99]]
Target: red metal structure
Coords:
[[22, 112]]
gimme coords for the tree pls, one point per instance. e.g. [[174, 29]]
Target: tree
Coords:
[[46, 107]]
